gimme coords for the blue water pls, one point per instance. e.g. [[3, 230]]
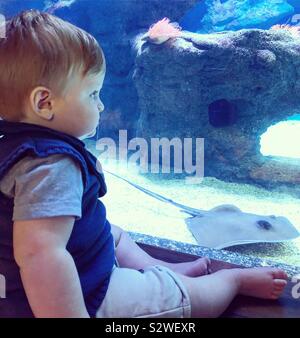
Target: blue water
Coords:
[[278, 12], [248, 13], [294, 118]]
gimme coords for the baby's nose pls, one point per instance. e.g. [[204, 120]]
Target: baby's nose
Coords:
[[100, 107]]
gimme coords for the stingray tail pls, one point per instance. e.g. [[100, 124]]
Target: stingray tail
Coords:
[[184, 208]]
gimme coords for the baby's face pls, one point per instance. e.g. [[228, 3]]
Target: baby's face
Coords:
[[78, 112]]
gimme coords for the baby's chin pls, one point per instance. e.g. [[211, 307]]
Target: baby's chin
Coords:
[[93, 133]]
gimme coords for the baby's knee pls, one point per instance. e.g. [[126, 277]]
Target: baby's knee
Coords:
[[117, 233]]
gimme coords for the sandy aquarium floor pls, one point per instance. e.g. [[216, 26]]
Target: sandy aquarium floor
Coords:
[[136, 211]]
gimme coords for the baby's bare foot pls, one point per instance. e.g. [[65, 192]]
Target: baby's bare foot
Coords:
[[267, 283], [199, 267]]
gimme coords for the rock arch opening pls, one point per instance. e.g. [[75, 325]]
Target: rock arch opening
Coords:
[[282, 139]]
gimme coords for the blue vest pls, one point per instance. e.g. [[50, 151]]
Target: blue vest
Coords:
[[91, 242]]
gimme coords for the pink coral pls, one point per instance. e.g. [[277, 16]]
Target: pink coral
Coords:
[[163, 30]]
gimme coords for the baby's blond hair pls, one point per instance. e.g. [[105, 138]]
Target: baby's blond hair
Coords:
[[42, 50]]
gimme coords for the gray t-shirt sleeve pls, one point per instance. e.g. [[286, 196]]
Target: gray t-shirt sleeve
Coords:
[[44, 187]]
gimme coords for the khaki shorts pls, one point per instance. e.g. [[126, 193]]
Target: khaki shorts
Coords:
[[154, 292]]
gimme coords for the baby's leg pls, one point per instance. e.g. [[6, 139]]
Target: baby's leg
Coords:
[[211, 295], [130, 255]]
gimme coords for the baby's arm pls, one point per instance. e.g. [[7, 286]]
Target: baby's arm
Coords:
[[47, 269]]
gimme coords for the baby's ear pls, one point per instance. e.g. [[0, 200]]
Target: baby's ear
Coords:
[[43, 99], [41, 102]]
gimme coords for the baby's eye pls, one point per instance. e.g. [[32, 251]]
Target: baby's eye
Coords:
[[95, 95]]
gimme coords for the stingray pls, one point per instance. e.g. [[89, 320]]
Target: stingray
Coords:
[[227, 225]]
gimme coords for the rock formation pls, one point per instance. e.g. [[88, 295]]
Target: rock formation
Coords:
[[227, 88]]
